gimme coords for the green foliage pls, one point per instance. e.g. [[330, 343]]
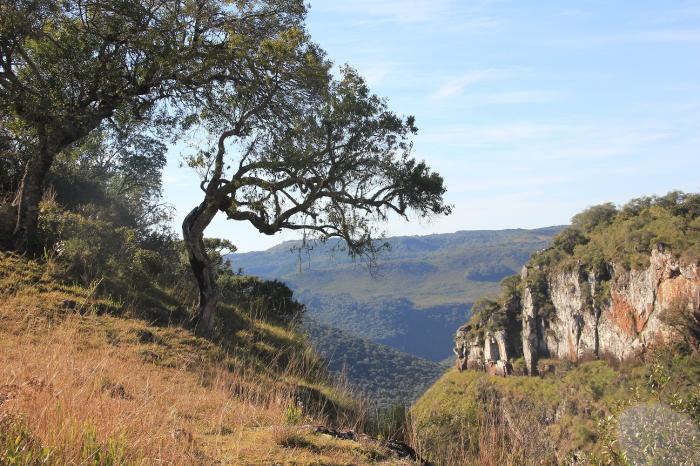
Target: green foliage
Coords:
[[90, 248], [18, 446], [389, 422], [268, 299], [384, 375], [568, 239], [294, 414], [538, 283], [594, 217], [591, 411], [419, 286], [114, 173], [394, 322], [97, 453], [684, 318], [605, 235], [626, 236], [487, 316]]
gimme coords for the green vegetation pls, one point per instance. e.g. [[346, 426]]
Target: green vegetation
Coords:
[[644, 412], [379, 373], [397, 323], [626, 236], [89, 378], [598, 238], [421, 291], [432, 270], [419, 294], [320, 155], [573, 414]]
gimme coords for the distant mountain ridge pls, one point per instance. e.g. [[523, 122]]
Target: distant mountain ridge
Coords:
[[456, 261], [420, 292], [441, 274]]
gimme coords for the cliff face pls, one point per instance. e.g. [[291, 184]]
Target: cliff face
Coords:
[[581, 316], [489, 355]]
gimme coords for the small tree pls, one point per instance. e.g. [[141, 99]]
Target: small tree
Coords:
[[683, 317], [322, 156]]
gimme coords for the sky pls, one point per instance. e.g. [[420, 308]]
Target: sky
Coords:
[[532, 110]]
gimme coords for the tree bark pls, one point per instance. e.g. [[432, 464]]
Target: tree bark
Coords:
[[204, 271], [29, 194]]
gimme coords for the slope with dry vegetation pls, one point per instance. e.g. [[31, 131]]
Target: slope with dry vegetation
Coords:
[[83, 382]]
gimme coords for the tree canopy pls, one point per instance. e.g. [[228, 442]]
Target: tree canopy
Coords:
[[303, 151], [66, 67]]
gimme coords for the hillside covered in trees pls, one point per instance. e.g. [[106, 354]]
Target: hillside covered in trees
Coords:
[[382, 375], [421, 289]]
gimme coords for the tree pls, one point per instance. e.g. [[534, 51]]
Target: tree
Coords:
[[314, 154], [683, 316], [66, 66], [597, 216], [119, 170]]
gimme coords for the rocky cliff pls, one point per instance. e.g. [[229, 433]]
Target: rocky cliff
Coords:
[[622, 323], [575, 314]]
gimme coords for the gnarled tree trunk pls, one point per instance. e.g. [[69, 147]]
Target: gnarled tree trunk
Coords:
[[29, 194], [204, 272]]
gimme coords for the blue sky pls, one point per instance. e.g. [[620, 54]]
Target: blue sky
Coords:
[[532, 110]]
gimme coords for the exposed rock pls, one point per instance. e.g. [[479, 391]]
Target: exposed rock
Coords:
[[489, 354], [584, 321], [391, 448], [469, 351]]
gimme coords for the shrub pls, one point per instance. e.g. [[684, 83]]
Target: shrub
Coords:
[[683, 316], [261, 298]]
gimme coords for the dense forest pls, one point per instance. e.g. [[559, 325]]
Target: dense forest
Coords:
[[380, 374]]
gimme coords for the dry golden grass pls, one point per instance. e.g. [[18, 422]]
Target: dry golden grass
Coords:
[[81, 387]]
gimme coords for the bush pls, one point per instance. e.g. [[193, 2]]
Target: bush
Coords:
[[683, 316], [90, 248], [261, 298]]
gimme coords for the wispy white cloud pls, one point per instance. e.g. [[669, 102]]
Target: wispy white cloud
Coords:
[[456, 86], [513, 97], [547, 143]]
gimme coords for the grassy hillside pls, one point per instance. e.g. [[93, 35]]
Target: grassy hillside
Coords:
[[589, 414], [84, 380], [378, 372]]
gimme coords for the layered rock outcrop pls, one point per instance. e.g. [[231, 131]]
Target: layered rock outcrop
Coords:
[[622, 324], [580, 315], [489, 354]]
